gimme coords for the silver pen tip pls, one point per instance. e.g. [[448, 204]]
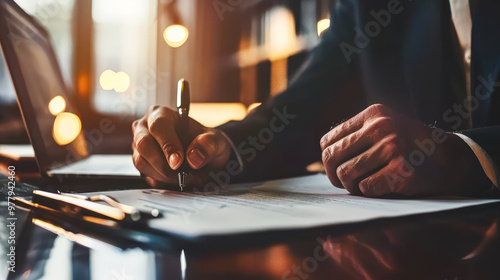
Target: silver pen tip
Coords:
[[182, 180]]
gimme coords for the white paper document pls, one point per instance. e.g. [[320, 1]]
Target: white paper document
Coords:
[[295, 203]]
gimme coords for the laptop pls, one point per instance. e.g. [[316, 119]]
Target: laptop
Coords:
[[51, 119]]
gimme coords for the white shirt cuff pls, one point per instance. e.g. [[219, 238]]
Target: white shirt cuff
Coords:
[[484, 159]]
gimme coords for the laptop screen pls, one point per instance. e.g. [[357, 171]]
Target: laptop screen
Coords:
[[52, 122]]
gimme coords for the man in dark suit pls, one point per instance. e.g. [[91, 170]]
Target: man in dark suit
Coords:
[[423, 92]]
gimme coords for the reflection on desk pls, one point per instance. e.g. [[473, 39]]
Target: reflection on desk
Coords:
[[463, 244]]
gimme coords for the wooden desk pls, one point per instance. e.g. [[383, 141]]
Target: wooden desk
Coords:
[[463, 244]]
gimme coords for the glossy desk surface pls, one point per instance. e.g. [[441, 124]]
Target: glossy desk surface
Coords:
[[463, 244]]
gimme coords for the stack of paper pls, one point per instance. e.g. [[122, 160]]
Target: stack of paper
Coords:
[[294, 203]]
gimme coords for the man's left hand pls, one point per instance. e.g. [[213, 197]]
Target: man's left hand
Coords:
[[380, 152]]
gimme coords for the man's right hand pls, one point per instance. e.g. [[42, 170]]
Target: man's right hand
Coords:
[[158, 152]]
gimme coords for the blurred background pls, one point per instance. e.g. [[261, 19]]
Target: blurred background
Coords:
[[118, 57]]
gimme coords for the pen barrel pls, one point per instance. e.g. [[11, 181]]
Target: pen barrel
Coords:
[[182, 129]]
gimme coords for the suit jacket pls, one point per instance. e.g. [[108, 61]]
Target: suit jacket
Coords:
[[404, 54]]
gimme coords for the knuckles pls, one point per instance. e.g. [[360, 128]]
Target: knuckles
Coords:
[[391, 145], [143, 143], [380, 128], [343, 126], [366, 187], [379, 110], [154, 123], [382, 123], [159, 117], [401, 177], [324, 141], [138, 162], [330, 167], [343, 174], [168, 148], [326, 156], [153, 108], [209, 141]]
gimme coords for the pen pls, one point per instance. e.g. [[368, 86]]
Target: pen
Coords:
[[88, 208], [134, 213], [183, 100]]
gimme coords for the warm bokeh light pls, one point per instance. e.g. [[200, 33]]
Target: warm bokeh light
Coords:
[[83, 84], [176, 35], [110, 80], [214, 114], [323, 25], [282, 37], [252, 107], [122, 82], [107, 80], [67, 127], [57, 105]]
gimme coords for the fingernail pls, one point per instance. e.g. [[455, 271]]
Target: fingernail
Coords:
[[196, 158], [174, 160]]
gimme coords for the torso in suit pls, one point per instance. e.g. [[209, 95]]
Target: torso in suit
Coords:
[[404, 54]]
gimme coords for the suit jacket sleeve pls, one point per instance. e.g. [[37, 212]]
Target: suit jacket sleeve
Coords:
[[282, 136]]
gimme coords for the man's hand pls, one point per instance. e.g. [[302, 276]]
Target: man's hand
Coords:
[[380, 152], [158, 152]]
